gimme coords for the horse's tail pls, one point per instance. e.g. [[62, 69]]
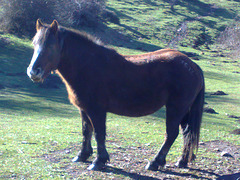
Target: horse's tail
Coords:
[[191, 125]]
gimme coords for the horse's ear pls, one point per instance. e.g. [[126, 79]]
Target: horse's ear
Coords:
[[39, 24], [54, 26]]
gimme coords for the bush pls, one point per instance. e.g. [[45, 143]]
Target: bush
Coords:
[[19, 16], [178, 35], [230, 39], [79, 12]]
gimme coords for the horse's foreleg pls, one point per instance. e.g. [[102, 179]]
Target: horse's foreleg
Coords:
[[98, 119], [87, 130], [172, 131]]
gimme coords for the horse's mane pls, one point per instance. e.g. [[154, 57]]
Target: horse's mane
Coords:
[[82, 34], [95, 42]]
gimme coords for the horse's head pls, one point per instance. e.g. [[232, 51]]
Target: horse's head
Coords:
[[46, 56]]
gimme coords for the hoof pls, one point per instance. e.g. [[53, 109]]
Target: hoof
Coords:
[[193, 158], [181, 164], [152, 166], [76, 159], [82, 157], [96, 167], [79, 159]]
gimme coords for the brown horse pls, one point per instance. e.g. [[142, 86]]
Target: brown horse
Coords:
[[99, 80]]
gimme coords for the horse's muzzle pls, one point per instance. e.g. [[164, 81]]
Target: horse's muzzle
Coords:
[[35, 75]]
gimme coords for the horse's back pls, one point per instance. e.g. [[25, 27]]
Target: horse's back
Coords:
[[168, 64], [159, 55], [167, 58]]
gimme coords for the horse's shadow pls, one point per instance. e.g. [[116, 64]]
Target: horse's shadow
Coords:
[[235, 176], [115, 170], [170, 172], [118, 171]]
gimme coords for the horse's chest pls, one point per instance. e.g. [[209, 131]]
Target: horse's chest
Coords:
[[72, 96]]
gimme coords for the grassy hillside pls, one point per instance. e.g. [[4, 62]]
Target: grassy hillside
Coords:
[[40, 131]]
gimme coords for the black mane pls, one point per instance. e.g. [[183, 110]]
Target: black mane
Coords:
[[85, 36]]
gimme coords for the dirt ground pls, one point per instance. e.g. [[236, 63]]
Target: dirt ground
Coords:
[[129, 163]]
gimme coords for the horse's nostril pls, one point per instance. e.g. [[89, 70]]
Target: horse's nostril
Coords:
[[38, 71], [35, 74]]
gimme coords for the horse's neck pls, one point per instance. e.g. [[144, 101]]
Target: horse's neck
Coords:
[[72, 63]]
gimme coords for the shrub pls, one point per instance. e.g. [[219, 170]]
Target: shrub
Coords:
[[178, 35], [79, 12], [19, 16], [230, 39]]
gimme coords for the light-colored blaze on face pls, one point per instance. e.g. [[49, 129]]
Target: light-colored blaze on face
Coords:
[[35, 73]]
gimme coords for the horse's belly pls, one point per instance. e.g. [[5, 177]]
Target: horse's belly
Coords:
[[135, 108], [132, 113]]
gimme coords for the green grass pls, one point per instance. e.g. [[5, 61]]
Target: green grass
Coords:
[[36, 123]]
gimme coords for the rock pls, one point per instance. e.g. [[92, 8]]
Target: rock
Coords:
[[202, 143], [67, 151], [209, 110], [233, 116], [236, 131], [190, 54], [219, 93], [26, 142], [195, 58], [226, 154], [217, 150]]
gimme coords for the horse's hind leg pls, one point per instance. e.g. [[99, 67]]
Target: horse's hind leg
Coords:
[[172, 130], [191, 124], [184, 159], [87, 130]]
